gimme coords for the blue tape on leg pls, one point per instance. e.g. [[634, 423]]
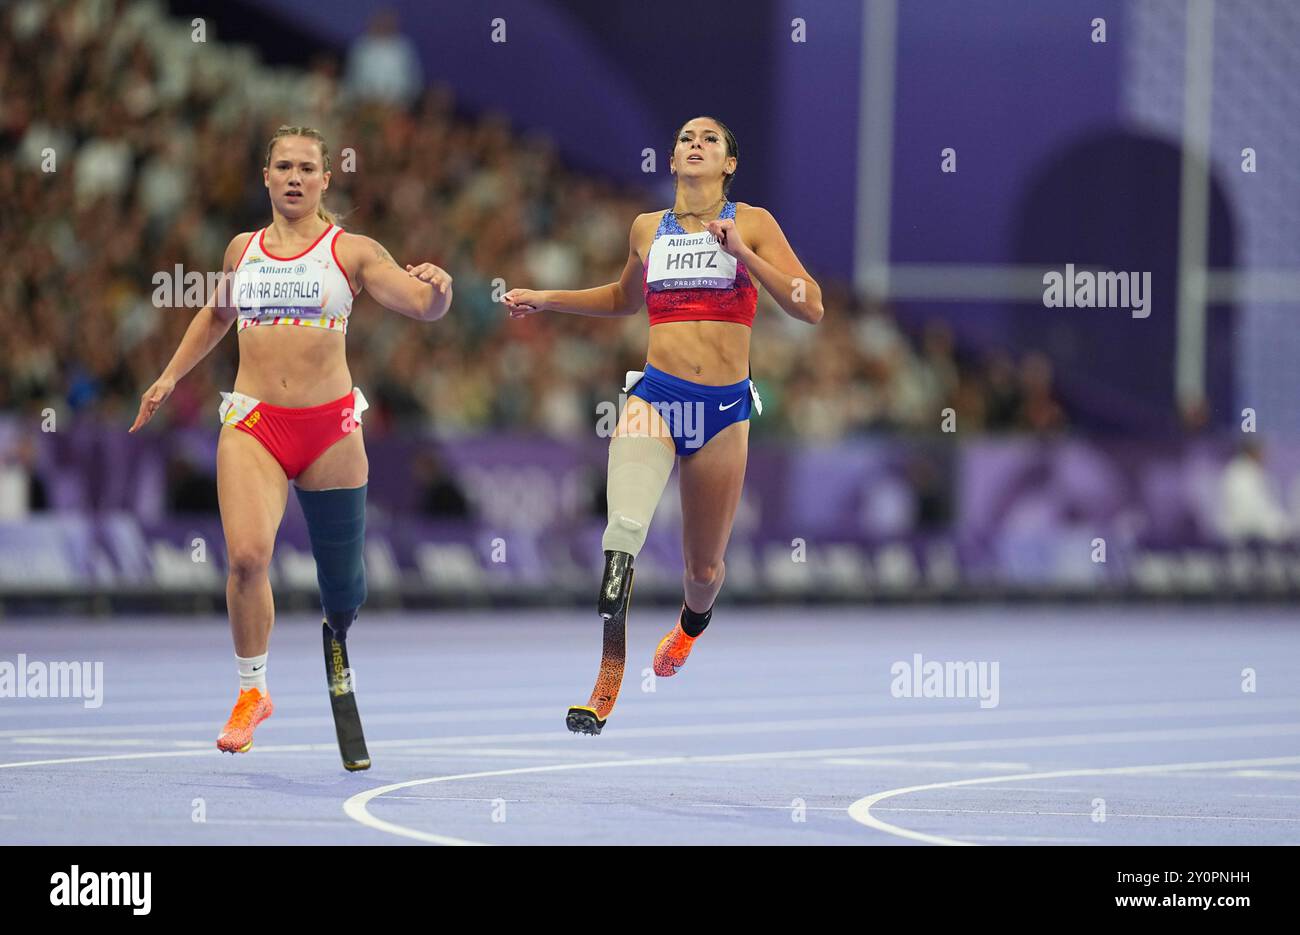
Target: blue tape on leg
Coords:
[[336, 523]]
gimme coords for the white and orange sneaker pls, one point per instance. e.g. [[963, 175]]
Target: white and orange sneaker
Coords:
[[251, 709], [672, 651]]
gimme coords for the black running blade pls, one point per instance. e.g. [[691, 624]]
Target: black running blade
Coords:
[[343, 703]]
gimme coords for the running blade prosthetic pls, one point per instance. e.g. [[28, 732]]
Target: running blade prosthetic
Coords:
[[615, 596], [343, 702]]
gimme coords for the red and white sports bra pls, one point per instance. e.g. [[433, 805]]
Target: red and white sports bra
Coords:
[[310, 290], [689, 277]]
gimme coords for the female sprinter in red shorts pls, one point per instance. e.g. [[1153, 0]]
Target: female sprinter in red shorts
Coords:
[[695, 268], [294, 414]]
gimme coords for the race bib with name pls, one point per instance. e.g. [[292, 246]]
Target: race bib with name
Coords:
[[281, 290], [690, 261]]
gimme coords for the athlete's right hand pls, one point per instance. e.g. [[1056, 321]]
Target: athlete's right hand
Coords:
[[152, 399], [523, 302]]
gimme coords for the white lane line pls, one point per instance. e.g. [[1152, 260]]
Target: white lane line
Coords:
[[403, 751], [839, 809], [995, 743], [860, 810], [1109, 815], [1056, 740], [469, 798], [1267, 774], [777, 808], [310, 822], [503, 753], [1026, 837], [105, 757], [1031, 789], [209, 749], [39, 741], [429, 714], [967, 718], [920, 764], [462, 701]]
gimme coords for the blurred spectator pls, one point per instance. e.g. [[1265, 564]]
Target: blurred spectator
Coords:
[[22, 491], [1252, 511], [930, 477], [1039, 410], [103, 165], [383, 65], [440, 495], [1002, 394]]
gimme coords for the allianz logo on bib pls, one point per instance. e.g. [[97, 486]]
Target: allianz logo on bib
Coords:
[[691, 240], [279, 270], [103, 889]]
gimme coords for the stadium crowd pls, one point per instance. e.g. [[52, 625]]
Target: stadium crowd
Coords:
[[129, 149]]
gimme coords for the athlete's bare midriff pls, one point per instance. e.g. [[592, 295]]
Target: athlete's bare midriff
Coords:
[[715, 353], [286, 365]]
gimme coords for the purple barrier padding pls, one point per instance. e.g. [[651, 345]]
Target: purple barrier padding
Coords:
[[49, 551], [1023, 510]]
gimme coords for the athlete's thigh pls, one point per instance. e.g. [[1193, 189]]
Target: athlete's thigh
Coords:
[[710, 481], [639, 418], [251, 492], [342, 464]]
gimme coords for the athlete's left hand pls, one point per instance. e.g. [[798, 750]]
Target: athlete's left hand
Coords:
[[728, 235], [435, 276]]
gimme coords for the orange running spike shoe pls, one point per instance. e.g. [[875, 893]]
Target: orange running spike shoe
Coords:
[[672, 651], [251, 709]]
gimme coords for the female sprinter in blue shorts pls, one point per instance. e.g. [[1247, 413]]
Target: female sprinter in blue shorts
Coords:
[[695, 267], [294, 414]]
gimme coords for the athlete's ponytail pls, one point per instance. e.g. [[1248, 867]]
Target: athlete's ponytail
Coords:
[[310, 133]]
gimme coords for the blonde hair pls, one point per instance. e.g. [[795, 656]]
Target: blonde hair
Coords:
[[310, 133]]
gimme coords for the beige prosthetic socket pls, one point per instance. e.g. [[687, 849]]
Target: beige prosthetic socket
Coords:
[[638, 470]]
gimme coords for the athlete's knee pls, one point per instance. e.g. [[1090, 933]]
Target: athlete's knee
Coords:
[[705, 574], [248, 562], [638, 470]]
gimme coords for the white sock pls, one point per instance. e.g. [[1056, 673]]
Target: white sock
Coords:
[[252, 672]]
